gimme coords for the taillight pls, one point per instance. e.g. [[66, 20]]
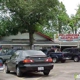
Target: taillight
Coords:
[[49, 60], [1, 64], [28, 61]]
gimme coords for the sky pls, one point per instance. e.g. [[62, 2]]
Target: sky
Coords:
[[71, 6]]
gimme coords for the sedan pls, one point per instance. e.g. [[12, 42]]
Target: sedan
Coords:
[[29, 61]]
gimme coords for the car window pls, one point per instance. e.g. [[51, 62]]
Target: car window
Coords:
[[72, 50], [78, 50], [10, 52], [20, 55], [32, 53], [66, 50], [15, 55]]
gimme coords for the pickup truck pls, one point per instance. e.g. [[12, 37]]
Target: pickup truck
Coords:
[[58, 56]]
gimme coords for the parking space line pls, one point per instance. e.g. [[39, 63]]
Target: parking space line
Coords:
[[26, 78], [38, 78], [20, 78]]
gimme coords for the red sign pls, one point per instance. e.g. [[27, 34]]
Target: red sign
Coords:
[[68, 37]]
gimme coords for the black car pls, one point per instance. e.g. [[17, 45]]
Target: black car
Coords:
[[73, 54], [29, 61]]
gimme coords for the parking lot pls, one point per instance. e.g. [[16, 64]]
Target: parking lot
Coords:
[[61, 71]]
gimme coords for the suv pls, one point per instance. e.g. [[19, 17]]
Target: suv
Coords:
[[73, 53]]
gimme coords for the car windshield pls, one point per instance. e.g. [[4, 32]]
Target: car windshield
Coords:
[[65, 50], [32, 53]]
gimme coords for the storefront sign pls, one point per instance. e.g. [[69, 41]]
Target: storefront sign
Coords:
[[69, 37]]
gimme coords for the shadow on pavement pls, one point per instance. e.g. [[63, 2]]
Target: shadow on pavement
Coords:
[[31, 75]]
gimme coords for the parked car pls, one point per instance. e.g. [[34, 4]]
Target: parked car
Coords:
[[5, 55], [58, 56], [29, 61], [73, 53], [1, 63]]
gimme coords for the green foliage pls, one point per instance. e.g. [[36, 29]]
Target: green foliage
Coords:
[[78, 17], [74, 22], [62, 17], [27, 14], [59, 20]]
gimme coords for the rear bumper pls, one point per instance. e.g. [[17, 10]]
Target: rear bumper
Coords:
[[67, 58], [38, 68]]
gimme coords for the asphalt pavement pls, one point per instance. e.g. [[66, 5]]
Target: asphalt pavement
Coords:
[[62, 71]]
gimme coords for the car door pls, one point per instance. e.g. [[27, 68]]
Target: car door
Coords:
[[8, 54], [13, 61], [68, 53], [53, 54], [75, 52], [71, 53]]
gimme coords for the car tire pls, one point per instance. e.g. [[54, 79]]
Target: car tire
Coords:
[[76, 59], [6, 69], [18, 72], [55, 60], [46, 73], [63, 61]]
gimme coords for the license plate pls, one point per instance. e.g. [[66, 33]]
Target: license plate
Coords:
[[40, 68], [67, 58]]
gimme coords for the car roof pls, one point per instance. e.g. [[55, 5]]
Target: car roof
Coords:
[[28, 50], [72, 48], [31, 52]]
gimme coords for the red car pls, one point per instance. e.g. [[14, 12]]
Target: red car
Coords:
[[1, 64]]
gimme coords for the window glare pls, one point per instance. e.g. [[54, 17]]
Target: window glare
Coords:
[[33, 52]]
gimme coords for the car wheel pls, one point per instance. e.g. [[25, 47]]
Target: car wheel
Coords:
[[55, 60], [18, 72], [6, 70], [63, 61], [76, 59], [46, 73]]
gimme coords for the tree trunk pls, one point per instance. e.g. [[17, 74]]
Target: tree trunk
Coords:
[[31, 40], [60, 30], [60, 27], [72, 29], [75, 31]]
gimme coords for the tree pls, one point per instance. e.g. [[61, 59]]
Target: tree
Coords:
[[59, 20], [26, 14], [58, 23], [77, 16], [74, 22], [62, 17]]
